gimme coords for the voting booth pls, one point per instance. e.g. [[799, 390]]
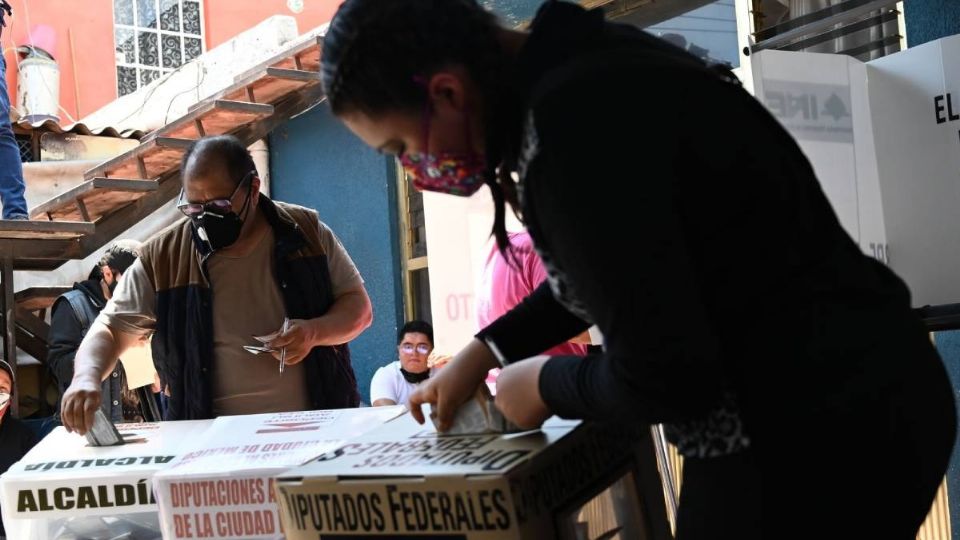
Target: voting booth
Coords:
[[883, 139], [568, 480]]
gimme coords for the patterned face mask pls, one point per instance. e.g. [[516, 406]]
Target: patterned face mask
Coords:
[[453, 173], [4, 399]]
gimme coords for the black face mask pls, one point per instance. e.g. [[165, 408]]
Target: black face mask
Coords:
[[112, 286], [221, 230], [415, 378]]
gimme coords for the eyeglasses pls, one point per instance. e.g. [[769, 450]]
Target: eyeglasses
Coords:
[[215, 206], [408, 348]]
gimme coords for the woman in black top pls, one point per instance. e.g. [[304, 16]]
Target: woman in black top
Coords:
[[672, 211]]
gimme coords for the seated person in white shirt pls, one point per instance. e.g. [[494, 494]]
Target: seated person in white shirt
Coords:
[[393, 383]]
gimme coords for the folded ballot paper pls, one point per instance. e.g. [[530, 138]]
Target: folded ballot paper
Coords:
[[478, 415]]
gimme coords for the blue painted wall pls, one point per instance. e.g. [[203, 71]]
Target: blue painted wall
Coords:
[[316, 162], [928, 20]]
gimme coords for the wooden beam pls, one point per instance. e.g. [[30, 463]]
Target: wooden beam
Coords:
[[215, 117], [61, 205], [32, 345], [43, 253], [293, 74], [36, 298], [66, 198], [41, 265], [307, 59], [31, 323], [418, 263], [270, 84], [83, 209], [126, 164], [171, 142], [294, 104], [274, 85], [283, 59], [40, 230], [124, 184], [114, 224]]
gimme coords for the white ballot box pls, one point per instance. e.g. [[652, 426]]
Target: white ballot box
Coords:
[[65, 489], [221, 485], [403, 480]]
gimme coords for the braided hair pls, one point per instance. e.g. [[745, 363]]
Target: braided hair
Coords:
[[376, 55]]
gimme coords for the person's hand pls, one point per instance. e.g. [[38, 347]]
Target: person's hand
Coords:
[[518, 393], [299, 340], [453, 385], [79, 404], [436, 360]]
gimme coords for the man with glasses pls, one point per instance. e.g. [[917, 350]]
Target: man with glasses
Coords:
[[394, 382], [239, 268]]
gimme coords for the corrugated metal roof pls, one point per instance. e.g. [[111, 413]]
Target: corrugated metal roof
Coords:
[[79, 128]]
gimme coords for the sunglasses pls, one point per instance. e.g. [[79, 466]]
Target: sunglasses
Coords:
[[408, 348], [216, 206]]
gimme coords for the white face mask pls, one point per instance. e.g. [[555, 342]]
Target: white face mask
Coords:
[[4, 399]]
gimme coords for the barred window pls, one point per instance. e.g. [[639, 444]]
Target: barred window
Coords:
[[153, 38]]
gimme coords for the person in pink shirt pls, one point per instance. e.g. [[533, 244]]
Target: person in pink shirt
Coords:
[[504, 285]]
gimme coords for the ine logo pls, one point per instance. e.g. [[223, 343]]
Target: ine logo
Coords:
[[811, 111], [835, 108]]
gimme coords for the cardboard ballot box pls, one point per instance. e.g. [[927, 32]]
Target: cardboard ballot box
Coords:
[[403, 480], [221, 484], [64, 488]]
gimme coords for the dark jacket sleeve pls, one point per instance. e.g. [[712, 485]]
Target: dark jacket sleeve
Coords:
[[28, 439], [603, 191], [64, 338]]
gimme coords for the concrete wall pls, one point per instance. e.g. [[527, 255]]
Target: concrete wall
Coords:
[[224, 19], [316, 162]]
